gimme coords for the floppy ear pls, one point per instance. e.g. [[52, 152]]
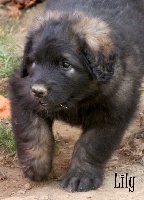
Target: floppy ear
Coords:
[[26, 61], [32, 39], [99, 65], [96, 46]]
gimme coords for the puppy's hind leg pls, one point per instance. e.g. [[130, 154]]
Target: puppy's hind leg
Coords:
[[34, 143]]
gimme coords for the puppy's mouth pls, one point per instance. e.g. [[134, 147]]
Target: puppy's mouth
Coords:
[[63, 106], [43, 103], [48, 105]]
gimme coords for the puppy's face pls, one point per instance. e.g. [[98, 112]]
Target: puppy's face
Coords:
[[58, 75], [63, 66]]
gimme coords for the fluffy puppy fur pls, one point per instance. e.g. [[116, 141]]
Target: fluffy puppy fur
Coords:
[[83, 64]]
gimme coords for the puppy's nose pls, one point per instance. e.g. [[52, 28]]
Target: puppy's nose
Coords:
[[39, 90]]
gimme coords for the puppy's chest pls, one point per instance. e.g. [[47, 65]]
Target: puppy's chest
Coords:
[[73, 117]]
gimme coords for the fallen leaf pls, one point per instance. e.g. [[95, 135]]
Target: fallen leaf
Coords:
[[14, 11], [24, 3], [4, 1], [4, 108]]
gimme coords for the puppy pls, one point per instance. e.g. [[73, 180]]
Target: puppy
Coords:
[[83, 64]]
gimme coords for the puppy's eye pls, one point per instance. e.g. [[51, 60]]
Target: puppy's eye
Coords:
[[66, 65], [33, 65], [31, 69]]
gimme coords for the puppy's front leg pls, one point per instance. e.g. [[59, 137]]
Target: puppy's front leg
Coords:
[[34, 143], [91, 152]]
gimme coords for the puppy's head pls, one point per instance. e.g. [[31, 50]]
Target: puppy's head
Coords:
[[67, 59]]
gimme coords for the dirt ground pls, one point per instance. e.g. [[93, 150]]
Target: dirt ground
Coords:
[[129, 158]]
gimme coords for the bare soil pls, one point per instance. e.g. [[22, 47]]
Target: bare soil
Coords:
[[129, 158]]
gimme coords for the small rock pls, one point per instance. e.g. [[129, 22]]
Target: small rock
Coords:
[[142, 162], [1, 158], [28, 186], [2, 176], [114, 157], [21, 192], [12, 193]]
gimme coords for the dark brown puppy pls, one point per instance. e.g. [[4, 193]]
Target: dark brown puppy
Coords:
[[82, 64]]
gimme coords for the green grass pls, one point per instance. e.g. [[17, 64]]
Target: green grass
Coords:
[[9, 53], [9, 59], [6, 137], [57, 149]]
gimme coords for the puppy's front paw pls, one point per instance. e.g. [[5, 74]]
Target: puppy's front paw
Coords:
[[82, 180]]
